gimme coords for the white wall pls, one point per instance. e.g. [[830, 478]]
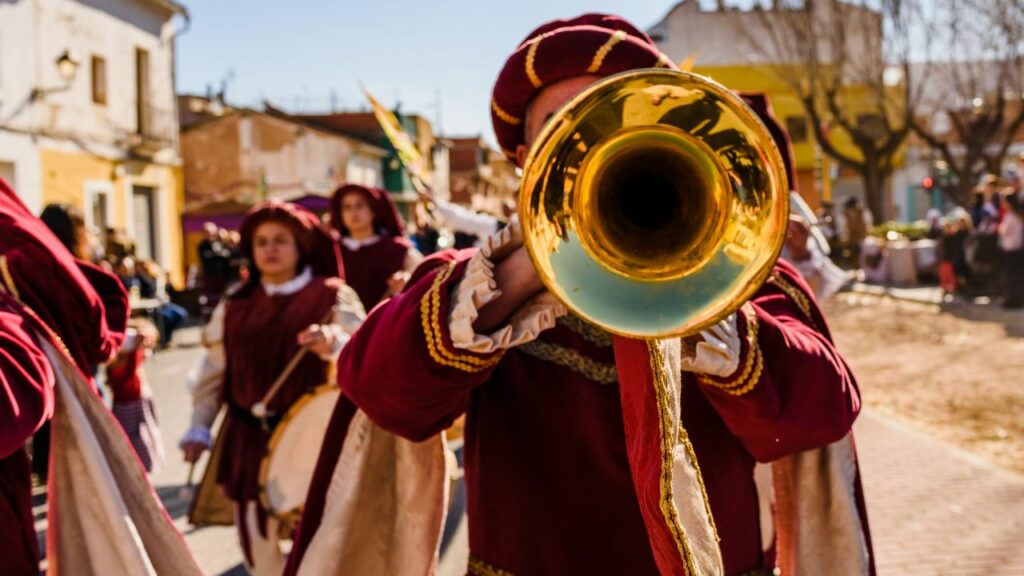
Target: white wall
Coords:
[[20, 152], [17, 59], [33, 34], [726, 38], [364, 169]]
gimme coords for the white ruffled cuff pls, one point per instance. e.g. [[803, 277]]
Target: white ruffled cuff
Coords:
[[196, 434], [477, 289]]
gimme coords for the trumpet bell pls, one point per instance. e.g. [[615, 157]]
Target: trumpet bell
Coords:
[[654, 203]]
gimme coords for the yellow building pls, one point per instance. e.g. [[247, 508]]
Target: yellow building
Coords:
[[93, 121], [814, 169], [714, 38], [143, 200]]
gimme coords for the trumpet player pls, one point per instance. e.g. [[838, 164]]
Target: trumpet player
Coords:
[[572, 465]]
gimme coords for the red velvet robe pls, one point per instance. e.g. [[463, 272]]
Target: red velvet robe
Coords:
[[259, 340], [548, 481], [86, 307], [26, 401], [367, 269]]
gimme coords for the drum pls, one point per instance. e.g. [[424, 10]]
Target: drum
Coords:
[[294, 448]]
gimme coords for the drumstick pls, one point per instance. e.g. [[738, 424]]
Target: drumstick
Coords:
[[186, 491], [259, 409]]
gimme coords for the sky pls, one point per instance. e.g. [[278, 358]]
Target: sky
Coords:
[[416, 52]]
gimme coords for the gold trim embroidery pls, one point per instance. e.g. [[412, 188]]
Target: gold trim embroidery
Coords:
[[668, 439], [600, 372], [8, 279], [795, 294], [478, 567], [587, 331], [684, 439], [603, 51], [531, 55], [430, 312], [753, 365], [504, 116]]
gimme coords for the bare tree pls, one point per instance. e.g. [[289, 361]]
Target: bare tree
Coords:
[[849, 65], [974, 103]]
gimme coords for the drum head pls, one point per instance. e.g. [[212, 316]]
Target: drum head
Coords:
[[293, 451]]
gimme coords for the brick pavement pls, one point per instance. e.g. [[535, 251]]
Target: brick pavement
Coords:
[[215, 547], [936, 509]]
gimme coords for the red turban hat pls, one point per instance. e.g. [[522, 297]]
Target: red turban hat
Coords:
[[598, 44], [316, 247], [385, 213]]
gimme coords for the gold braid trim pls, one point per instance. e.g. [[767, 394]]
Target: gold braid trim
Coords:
[[505, 116], [668, 440], [684, 439], [795, 294], [603, 51], [8, 280], [430, 315], [587, 331], [531, 56], [752, 367], [591, 369], [478, 567]]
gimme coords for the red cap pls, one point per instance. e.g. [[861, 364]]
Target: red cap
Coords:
[[598, 44]]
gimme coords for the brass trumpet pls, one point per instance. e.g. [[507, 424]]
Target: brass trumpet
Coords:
[[654, 204]]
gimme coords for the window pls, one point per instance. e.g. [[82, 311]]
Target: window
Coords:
[[142, 90], [99, 80], [796, 126], [144, 223]]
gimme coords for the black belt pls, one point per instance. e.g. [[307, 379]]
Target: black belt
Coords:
[[245, 416]]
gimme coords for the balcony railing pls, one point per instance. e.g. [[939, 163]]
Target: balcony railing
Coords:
[[156, 128]]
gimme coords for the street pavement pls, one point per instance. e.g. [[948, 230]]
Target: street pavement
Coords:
[[934, 509]]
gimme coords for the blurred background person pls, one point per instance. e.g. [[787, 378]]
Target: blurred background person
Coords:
[[376, 255], [132, 404], [1011, 244]]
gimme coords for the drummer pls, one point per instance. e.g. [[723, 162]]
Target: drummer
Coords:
[[378, 257], [294, 298]]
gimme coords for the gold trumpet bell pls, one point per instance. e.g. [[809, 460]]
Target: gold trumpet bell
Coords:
[[654, 203]]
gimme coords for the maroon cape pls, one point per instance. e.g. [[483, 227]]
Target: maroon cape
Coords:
[[550, 489], [86, 307]]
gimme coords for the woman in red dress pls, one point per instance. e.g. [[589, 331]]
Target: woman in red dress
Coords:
[[378, 258], [293, 299]]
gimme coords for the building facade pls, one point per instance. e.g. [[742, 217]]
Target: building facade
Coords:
[[234, 158], [722, 42], [480, 177], [87, 115]]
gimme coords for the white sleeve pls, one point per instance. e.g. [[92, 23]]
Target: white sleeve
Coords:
[[206, 379], [348, 316], [477, 289], [466, 220], [413, 257]]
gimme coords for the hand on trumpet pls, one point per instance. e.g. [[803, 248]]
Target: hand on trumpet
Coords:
[[514, 276]]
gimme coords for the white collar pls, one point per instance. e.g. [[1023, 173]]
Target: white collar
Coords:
[[290, 287], [353, 244]]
